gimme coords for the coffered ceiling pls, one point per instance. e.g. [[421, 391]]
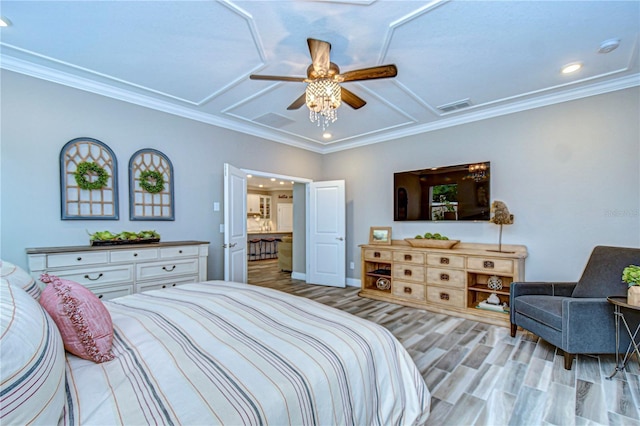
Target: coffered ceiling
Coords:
[[458, 61]]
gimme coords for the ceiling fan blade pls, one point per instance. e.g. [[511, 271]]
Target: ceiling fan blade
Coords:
[[298, 102], [351, 99], [319, 51], [382, 71], [276, 78]]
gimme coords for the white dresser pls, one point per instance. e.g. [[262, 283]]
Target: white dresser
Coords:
[[113, 271]]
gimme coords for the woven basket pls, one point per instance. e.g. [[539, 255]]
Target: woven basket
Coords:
[[427, 243]]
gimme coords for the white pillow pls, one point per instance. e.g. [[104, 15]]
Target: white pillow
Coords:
[[18, 277], [32, 377]]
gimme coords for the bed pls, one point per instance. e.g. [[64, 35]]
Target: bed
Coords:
[[229, 353]]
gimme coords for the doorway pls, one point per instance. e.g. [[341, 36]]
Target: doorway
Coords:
[[271, 184]]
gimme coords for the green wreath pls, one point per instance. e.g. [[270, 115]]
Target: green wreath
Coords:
[[151, 181], [86, 168]]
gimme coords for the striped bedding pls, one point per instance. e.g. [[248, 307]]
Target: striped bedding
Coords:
[[227, 353]]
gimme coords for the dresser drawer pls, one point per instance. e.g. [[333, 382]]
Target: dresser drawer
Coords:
[[445, 260], [179, 251], [77, 259], [446, 277], [445, 296], [90, 277], [377, 255], [490, 265], [133, 255], [166, 269], [408, 291], [408, 272], [160, 284], [408, 257], [112, 291]]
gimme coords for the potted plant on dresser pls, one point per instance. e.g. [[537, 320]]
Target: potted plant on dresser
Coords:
[[631, 276]]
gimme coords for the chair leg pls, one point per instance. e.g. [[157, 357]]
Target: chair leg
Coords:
[[568, 360], [514, 328]]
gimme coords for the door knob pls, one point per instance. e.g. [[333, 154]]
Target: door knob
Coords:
[[339, 238]]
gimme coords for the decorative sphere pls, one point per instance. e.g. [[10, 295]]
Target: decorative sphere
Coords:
[[494, 283], [383, 283]]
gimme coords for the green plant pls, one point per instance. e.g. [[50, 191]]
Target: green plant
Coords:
[[631, 275], [86, 168], [151, 181]]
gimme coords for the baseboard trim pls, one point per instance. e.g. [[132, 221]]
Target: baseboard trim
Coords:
[[353, 282], [299, 276]]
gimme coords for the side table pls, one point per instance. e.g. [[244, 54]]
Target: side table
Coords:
[[619, 303]]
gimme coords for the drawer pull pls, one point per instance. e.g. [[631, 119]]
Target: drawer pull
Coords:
[[407, 272], [135, 254], [169, 270], [444, 296], [407, 257], [173, 285], [444, 260], [164, 286], [376, 254], [407, 290], [93, 279], [100, 296], [180, 251], [488, 264], [444, 277], [79, 259]]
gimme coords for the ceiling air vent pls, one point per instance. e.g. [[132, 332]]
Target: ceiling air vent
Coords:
[[273, 120], [454, 106]]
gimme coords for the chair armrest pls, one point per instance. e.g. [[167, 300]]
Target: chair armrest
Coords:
[[588, 325], [541, 288]]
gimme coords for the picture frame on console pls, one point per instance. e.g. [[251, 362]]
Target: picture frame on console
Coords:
[[380, 235]]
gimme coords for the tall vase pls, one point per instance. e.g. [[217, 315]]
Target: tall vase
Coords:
[[633, 295]]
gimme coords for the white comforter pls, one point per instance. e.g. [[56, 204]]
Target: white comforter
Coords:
[[228, 353]]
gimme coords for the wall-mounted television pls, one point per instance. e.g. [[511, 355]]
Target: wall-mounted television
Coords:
[[456, 193]]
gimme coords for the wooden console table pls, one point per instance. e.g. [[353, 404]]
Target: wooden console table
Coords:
[[449, 281]]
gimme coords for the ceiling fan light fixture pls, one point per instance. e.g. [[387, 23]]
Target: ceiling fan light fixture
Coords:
[[323, 97]]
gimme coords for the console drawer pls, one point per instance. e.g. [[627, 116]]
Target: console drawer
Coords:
[[445, 296], [445, 260], [160, 284], [408, 291], [446, 277], [408, 272], [111, 291], [377, 255], [77, 259], [490, 265], [408, 257]]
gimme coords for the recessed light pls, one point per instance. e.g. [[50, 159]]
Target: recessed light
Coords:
[[249, 176], [572, 67], [260, 186], [4, 22], [273, 179], [281, 183], [609, 45], [327, 135]]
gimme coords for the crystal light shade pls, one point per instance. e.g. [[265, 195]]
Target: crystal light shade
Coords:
[[323, 97]]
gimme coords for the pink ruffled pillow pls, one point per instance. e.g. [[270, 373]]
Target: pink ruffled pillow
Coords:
[[83, 320]]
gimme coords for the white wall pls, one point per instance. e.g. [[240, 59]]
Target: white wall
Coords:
[[570, 174], [38, 118]]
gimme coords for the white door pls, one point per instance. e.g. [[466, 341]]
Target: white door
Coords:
[[235, 224], [285, 217], [326, 256]]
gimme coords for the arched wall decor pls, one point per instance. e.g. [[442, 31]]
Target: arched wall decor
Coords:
[[88, 181], [150, 186]]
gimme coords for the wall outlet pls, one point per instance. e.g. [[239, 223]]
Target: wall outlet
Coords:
[[216, 206], [352, 265], [222, 228]]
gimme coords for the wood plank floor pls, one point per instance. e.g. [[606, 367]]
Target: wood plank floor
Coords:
[[477, 373]]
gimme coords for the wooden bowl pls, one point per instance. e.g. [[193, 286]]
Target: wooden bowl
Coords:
[[428, 243]]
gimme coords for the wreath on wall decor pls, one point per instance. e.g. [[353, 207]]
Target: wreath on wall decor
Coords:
[[151, 181], [84, 169]]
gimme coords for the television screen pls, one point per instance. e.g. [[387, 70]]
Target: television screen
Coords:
[[455, 193]]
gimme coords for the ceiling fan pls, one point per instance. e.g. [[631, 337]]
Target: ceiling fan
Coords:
[[322, 68]]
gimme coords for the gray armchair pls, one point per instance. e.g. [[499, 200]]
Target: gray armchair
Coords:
[[576, 316]]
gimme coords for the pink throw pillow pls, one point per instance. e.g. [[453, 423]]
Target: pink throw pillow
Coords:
[[83, 320]]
